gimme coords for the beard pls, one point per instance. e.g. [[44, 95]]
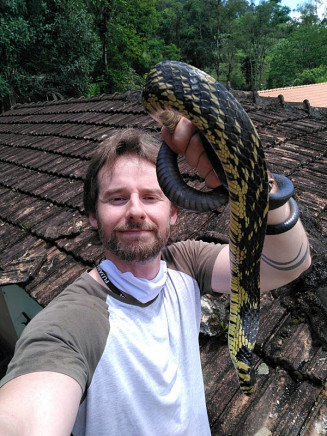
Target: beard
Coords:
[[136, 250]]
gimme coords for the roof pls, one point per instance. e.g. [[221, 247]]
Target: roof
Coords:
[[316, 94], [46, 242]]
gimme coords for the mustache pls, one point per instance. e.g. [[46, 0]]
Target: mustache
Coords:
[[135, 226]]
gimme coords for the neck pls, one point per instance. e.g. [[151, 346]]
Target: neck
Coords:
[[144, 270]]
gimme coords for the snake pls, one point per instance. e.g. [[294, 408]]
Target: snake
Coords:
[[173, 90]]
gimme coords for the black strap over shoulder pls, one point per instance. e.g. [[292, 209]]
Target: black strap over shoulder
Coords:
[[109, 284]]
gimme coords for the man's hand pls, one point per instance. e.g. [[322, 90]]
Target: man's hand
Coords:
[[186, 141]]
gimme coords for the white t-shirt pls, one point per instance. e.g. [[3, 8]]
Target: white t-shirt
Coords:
[[138, 364]]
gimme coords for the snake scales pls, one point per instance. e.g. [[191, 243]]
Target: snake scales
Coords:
[[232, 143]]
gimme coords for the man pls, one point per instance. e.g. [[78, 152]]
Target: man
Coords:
[[117, 352]]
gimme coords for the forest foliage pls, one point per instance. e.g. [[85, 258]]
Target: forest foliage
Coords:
[[52, 49]]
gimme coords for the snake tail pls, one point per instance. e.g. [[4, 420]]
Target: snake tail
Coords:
[[233, 144]]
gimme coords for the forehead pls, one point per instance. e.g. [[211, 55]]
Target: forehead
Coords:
[[126, 170]]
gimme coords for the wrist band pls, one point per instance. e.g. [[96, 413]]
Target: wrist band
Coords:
[[277, 229]]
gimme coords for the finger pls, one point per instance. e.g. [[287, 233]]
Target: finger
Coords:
[[212, 181], [197, 158], [178, 141], [204, 166], [194, 151]]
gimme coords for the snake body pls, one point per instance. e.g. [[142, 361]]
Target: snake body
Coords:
[[231, 142]]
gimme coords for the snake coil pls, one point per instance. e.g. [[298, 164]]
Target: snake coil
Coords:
[[235, 152]]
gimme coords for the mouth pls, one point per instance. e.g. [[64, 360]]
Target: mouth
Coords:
[[134, 232], [135, 227]]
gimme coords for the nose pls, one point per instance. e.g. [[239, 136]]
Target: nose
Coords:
[[135, 208]]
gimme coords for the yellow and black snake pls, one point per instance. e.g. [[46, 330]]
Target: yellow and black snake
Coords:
[[232, 143]]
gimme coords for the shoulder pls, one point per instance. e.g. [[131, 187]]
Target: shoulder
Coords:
[[68, 336], [190, 250], [194, 258], [79, 313], [85, 291]]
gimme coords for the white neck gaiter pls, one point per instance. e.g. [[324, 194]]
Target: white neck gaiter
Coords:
[[142, 289]]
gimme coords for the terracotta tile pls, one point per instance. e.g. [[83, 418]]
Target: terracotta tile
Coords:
[[316, 94]]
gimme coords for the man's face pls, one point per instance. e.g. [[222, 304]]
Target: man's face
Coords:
[[133, 215]]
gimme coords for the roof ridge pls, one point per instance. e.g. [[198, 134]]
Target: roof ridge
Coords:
[[293, 87], [129, 96]]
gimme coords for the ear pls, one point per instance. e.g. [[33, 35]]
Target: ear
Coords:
[[93, 220], [173, 215]]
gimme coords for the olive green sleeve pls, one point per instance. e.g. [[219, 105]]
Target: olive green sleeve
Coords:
[[195, 258], [68, 337]]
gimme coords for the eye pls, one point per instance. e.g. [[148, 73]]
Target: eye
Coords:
[[117, 199], [151, 198]]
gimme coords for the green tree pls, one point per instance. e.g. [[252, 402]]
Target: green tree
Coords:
[[127, 29], [309, 12], [304, 49], [15, 36], [69, 48], [170, 14], [197, 42], [65, 49], [228, 37], [48, 49], [188, 24], [263, 25], [309, 76]]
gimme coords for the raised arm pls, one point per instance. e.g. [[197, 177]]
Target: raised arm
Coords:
[[285, 256], [39, 404]]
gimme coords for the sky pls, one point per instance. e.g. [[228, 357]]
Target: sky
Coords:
[[293, 4]]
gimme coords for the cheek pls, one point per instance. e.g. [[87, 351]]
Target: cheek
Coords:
[[107, 218], [163, 216]]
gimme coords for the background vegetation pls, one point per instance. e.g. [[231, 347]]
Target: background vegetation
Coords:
[[51, 49]]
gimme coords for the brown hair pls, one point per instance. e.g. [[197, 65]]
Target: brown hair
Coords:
[[126, 141]]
